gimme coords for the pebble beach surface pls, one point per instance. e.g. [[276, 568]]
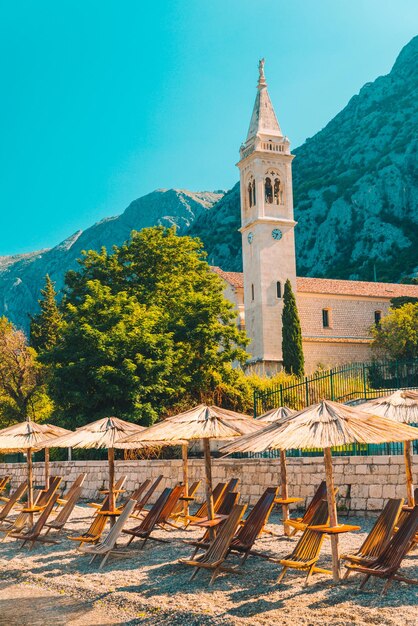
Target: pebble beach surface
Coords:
[[54, 584]]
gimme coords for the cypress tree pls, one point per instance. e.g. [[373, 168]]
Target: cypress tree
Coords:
[[45, 327], [293, 361]]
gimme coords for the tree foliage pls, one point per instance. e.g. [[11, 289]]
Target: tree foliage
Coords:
[[293, 360], [146, 328], [397, 334], [22, 394], [45, 327]]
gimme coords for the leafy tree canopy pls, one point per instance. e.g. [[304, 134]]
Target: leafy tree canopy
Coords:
[[46, 326], [146, 327], [397, 334]]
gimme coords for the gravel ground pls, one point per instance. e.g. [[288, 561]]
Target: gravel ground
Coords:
[[151, 587]]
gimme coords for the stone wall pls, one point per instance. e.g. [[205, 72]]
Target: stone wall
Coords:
[[364, 482]]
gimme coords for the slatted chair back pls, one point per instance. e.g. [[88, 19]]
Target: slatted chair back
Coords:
[[153, 515], [14, 498], [142, 502], [99, 521], [67, 509], [391, 556], [217, 496], [45, 496], [226, 507], [43, 517], [382, 530], [114, 533], [3, 482], [178, 509], [309, 545], [219, 547], [79, 481], [320, 494], [257, 518], [232, 484], [171, 502]]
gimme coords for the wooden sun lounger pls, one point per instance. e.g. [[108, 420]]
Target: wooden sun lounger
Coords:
[[300, 523], [119, 484], [45, 496], [106, 547], [95, 531], [202, 512], [13, 500], [3, 484], [223, 512], [150, 521], [34, 534], [79, 481], [306, 552], [390, 559], [378, 537], [62, 518], [178, 511], [216, 553], [141, 503]]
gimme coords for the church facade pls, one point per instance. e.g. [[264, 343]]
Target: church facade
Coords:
[[336, 315]]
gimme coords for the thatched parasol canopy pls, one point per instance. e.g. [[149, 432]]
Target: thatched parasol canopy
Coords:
[[201, 422], [324, 426], [402, 407], [104, 433], [28, 437], [275, 414]]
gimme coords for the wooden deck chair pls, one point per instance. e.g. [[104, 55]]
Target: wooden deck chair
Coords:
[[119, 484], [378, 537], [202, 511], [254, 524], [13, 500], [3, 484], [300, 523], [95, 531], [63, 516], [390, 559], [178, 511], [45, 495], [136, 495], [150, 521], [107, 545], [306, 552], [217, 551], [225, 509], [23, 520], [79, 481], [139, 509], [171, 503], [33, 534]]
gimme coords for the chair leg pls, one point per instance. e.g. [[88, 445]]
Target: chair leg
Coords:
[[364, 581], [282, 575], [130, 540], [387, 585], [214, 575], [104, 560], [309, 574], [346, 574], [196, 571]]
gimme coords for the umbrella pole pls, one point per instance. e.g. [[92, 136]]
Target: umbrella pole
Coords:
[[30, 482], [332, 508], [185, 481], [407, 453], [284, 490], [208, 479], [111, 459], [46, 451]]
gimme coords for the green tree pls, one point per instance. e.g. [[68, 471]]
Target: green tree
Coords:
[[22, 391], [45, 327], [397, 334], [293, 361], [188, 328]]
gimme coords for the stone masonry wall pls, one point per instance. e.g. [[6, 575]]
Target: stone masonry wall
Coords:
[[368, 481]]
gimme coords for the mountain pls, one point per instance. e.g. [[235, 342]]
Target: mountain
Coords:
[[355, 188], [22, 276]]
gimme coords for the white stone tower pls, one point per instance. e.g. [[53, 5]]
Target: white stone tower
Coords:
[[268, 244]]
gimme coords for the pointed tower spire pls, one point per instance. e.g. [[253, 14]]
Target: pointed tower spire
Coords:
[[263, 120]]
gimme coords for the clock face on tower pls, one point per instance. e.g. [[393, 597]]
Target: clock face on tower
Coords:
[[250, 237], [276, 233]]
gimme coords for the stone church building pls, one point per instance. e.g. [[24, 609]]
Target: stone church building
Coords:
[[336, 315]]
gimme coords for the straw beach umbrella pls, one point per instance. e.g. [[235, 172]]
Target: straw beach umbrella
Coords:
[[268, 418], [29, 437], [103, 433], [324, 425], [201, 422], [401, 406]]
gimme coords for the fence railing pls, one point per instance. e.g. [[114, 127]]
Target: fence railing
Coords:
[[347, 384]]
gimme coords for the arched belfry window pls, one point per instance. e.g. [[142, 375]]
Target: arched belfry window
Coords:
[[276, 191], [268, 190], [250, 195], [254, 199]]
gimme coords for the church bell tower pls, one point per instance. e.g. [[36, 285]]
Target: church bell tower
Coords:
[[267, 227]]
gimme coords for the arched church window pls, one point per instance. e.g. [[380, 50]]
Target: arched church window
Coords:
[[254, 192], [276, 191], [268, 191], [250, 195]]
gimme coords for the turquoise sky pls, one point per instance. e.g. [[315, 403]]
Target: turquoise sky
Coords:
[[104, 101]]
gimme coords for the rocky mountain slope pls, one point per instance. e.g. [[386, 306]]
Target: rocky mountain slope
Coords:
[[22, 276], [356, 202]]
